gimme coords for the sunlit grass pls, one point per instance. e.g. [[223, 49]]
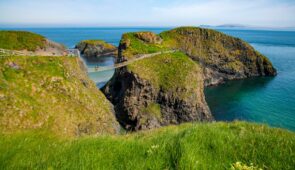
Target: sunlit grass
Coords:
[[52, 93], [21, 40], [189, 146]]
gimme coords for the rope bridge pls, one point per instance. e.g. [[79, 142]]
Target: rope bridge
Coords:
[[119, 65], [76, 53], [5, 52]]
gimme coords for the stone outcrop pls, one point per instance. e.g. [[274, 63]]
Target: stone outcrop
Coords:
[[168, 89], [50, 48], [93, 49], [148, 37]]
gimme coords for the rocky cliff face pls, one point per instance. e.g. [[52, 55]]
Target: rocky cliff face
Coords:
[[51, 49], [93, 49], [168, 88], [162, 90]]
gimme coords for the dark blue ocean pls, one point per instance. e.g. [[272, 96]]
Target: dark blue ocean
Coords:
[[265, 100]]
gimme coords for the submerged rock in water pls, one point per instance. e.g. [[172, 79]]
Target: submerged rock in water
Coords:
[[93, 49]]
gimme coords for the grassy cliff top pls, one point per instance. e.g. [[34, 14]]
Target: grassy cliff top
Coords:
[[169, 71], [98, 42], [51, 93], [137, 43], [188, 146], [21, 40]]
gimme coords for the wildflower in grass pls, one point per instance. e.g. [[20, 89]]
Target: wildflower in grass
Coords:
[[241, 166], [152, 149]]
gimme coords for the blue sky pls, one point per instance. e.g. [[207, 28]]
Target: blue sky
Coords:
[[262, 13]]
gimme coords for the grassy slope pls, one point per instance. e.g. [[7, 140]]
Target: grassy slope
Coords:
[[51, 93], [188, 146], [21, 40], [168, 71]]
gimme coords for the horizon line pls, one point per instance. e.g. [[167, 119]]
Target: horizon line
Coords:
[[240, 26]]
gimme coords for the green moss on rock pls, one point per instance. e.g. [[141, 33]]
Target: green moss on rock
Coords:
[[152, 110]]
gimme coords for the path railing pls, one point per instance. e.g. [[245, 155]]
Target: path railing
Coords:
[[76, 53], [5, 52], [73, 52], [136, 58]]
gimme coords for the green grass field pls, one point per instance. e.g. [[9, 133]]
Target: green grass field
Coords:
[[21, 40], [188, 146]]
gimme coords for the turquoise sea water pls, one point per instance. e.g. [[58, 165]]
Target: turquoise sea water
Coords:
[[266, 100]]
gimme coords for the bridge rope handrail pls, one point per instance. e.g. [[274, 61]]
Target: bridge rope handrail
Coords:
[[76, 53], [6, 52], [125, 63]]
